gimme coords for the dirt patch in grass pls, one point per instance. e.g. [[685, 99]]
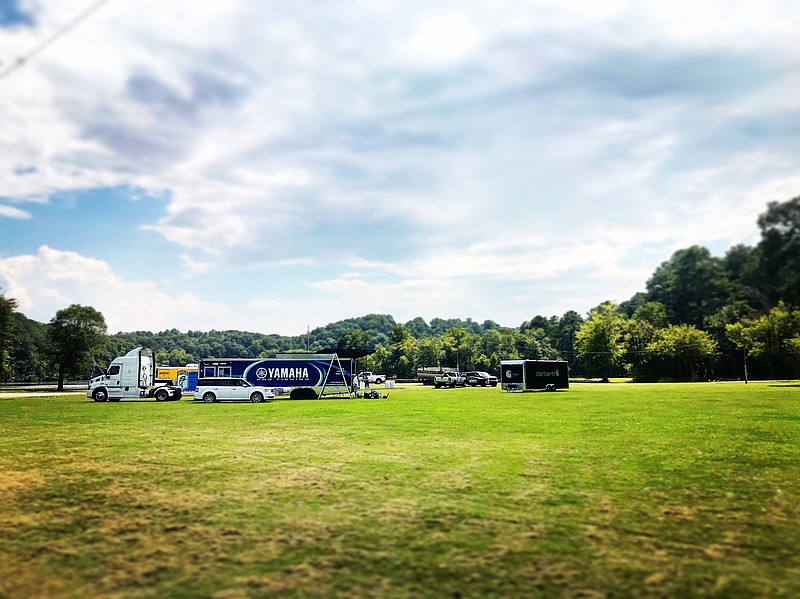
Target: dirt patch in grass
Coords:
[[677, 512], [15, 482], [291, 578], [318, 477], [26, 579]]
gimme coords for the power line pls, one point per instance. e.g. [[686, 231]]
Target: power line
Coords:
[[64, 29]]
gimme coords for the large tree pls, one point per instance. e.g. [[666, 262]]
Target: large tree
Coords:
[[599, 341], [75, 334], [692, 285], [773, 339], [683, 352], [7, 333], [780, 250]]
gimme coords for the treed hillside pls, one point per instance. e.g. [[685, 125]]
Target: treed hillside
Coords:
[[700, 317]]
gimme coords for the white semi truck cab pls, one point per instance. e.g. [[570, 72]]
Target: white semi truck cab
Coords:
[[131, 376]]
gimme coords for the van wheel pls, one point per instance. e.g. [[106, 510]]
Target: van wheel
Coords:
[[161, 395], [209, 397], [100, 394], [257, 397]]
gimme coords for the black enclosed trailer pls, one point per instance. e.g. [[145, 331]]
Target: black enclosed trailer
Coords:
[[531, 375]]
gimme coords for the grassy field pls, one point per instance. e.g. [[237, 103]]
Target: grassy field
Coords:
[[620, 490]]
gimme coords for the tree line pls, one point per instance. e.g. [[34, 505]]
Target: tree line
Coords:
[[700, 317]]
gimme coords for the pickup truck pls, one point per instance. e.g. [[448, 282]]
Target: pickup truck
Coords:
[[478, 377], [449, 379], [369, 377], [426, 374]]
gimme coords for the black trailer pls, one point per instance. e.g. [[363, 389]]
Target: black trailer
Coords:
[[532, 375]]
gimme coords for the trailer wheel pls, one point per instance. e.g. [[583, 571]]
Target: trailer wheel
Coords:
[[161, 395], [303, 393], [100, 394], [257, 397], [209, 397]]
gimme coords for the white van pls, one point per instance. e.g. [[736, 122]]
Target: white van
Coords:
[[228, 388]]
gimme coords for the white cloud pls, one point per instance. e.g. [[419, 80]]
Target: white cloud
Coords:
[[51, 279], [12, 212], [438, 147]]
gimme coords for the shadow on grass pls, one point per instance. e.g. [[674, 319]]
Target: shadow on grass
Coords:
[[787, 385]]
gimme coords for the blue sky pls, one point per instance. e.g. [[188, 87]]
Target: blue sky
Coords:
[[268, 166]]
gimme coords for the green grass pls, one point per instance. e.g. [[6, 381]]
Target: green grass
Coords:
[[602, 491]]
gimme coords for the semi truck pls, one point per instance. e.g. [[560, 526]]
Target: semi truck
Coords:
[[533, 375], [298, 376], [132, 376]]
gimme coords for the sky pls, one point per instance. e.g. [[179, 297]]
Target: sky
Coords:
[[271, 166]]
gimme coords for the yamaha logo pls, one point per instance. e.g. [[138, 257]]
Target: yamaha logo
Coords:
[[261, 373]]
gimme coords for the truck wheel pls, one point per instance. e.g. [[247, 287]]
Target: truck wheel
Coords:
[[161, 395], [257, 397], [378, 381], [100, 394], [436, 385], [209, 397]]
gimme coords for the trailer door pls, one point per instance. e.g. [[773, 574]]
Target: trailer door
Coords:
[[512, 374]]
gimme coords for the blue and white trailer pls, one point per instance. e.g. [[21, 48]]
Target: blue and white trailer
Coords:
[[300, 376]]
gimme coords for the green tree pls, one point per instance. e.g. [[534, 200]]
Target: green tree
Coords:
[[457, 344], [355, 339], [638, 335], [180, 357], [8, 334], [684, 352], [654, 313], [692, 285], [29, 360], [404, 352], [599, 341], [431, 351], [773, 339], [566, 330], [780, 250], [75, 334]]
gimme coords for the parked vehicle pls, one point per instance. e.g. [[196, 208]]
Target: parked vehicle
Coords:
[[479, 378], [449, 379], [426, 374], [300, 376], [132, 376], [530, 375], [369, 377], [211, 390]]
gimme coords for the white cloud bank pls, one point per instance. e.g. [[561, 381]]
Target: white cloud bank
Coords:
[[50, 280]]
